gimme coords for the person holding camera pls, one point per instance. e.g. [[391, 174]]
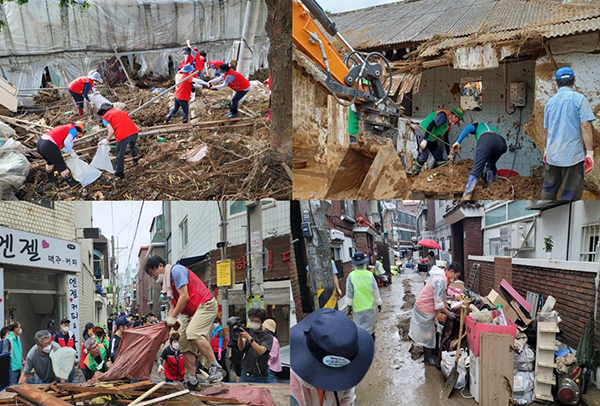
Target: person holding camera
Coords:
[[256, 344]]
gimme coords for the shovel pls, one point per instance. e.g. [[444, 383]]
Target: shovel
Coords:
[[451, 381]]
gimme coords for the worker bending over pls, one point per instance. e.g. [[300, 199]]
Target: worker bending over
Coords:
[[82, 86], [237, 82], [53, 142], [124, 130]]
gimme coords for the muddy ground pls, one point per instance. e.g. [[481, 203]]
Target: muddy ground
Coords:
[[240, 164]]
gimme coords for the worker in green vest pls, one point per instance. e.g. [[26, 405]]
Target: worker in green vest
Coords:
[[96, 359], [362, 290], [490, 147], [432, 131]]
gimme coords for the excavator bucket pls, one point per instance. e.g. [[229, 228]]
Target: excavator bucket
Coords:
[[370, 169]]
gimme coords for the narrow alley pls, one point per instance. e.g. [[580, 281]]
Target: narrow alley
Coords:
[[394, 377]]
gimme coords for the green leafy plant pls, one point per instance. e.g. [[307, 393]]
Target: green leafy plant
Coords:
[[548, 243]]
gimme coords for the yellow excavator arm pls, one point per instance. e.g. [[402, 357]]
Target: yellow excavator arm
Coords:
[[355, 78]]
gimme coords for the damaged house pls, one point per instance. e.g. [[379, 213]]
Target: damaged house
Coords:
[[494, 58]]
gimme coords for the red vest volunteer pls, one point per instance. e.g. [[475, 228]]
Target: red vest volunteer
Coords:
[[122, 125]]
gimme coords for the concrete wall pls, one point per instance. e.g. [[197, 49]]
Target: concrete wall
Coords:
[[570, 283], [438, 90]]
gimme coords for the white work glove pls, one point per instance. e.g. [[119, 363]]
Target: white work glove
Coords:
[[171, 321], [103, 142], [423, 145], [455, 148]]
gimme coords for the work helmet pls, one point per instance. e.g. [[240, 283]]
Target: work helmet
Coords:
[[79, 125], [94, 75]]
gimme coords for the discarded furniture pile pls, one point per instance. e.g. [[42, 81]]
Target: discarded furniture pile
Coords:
[[513, 354]]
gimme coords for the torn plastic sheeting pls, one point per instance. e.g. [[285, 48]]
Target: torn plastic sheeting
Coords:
[[82, 172], [195, 154], [39, 28], [475, 58], [137, 353], [249, 395]]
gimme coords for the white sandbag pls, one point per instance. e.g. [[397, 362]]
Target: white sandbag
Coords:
[[447, 364], [63, 361], [102, 159], [82, 172]]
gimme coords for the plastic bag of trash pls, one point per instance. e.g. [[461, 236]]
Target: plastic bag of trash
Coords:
[[14, 168], [63, 361], [448, 363], [525, 361], [82, 172], [523, 382], [102, 159]]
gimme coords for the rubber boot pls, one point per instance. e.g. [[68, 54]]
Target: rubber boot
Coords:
[[120, 175], [428, 356], [440, 163], [135, 162], [471, 183], [80, 111], [51, 177], [490, 178], [416, 169], [71, 181]]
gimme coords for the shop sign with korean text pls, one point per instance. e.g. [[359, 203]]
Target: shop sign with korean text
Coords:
[[27, 249]]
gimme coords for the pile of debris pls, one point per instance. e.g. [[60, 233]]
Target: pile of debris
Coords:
[[208, 158], [139, 393]]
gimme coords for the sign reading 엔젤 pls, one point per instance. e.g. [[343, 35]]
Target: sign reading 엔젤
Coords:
[[224, 272], [73, 306], [27, 249]]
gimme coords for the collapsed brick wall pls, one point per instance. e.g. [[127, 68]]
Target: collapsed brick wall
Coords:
[[574, 291]]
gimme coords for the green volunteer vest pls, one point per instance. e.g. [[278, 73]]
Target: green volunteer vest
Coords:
[[93, 365], [16, 360], [484, 128], [362, 280], [437, 131]]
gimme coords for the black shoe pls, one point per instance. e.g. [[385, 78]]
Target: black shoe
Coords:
[[71, 181], [120, 175], [184, 121], [135, 162], [51, 176], [167, 119]]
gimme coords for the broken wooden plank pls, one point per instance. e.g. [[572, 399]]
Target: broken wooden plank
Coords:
[[148, 393], [36, 396], [496, 369], [166, 397]]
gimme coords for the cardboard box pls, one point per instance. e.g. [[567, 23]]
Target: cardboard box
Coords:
[[520, 313], [496, 299]]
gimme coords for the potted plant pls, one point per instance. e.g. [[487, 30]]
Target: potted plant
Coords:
[[548, 244]]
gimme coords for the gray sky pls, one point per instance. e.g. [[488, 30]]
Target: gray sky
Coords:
[[124, 215], [337, 6]]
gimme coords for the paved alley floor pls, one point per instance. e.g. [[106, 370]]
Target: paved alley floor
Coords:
[[394, 377]]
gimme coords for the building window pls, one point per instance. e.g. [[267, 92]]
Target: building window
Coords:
[[237, 207], [183, 229], [495, 216], [337, 253], [589, 241], [495, 246], [159, 223]]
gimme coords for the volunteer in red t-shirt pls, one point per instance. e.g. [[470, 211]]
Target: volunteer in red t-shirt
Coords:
[[188, 296], [183, 92], [80, 87], [237, 82], [124, 130], [50, 145]]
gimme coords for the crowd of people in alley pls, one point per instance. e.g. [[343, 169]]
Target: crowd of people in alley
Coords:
[[195, 72], [253, 352]]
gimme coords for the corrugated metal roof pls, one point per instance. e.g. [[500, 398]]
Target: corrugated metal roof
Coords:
[[423, 20]]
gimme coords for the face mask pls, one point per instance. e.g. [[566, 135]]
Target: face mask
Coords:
[[254, 326], [47, 349], [160, 278], [20, 331], [175, 346], [65, 329], [215, 325], [101, 334]]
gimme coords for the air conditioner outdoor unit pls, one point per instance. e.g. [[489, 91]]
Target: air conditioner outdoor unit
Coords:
[[518, 233]]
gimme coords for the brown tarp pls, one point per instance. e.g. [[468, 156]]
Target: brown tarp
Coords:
[[248, 395], [137, 353]]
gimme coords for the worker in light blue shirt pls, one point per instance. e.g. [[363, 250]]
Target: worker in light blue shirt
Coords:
[[568, 122], [490, 147]]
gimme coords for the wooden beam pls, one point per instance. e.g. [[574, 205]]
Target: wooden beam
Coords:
[[148, 393], [36, 396], [160, 399]]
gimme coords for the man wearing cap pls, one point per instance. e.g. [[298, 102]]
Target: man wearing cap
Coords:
[[490, 147], [256, 345], [330, 356], [430, 302], [122, 325], [432, 131], [123, 129], [568, 130], [51, 328], [80, 87], [190, 297], [66, 338], [362, 290], [53, 143], [237, 82], [183, 92]]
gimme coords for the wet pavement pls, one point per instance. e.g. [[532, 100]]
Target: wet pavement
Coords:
[[394, 377]]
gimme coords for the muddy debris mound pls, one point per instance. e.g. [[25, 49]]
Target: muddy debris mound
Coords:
[[409, 297], [404, 327], [240, 162], [449, 182], [415, 351]]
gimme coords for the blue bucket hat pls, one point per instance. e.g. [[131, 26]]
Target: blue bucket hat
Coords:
[[326, 359], [187, 68], [359, 258], [564, 73]]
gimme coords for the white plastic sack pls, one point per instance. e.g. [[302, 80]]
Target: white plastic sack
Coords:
[[523, 382], [63, 361], [82, 172], [14, 168], [102, 159], [525, 361], [448, 363]]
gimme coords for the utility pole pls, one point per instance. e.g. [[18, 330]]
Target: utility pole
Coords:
[[113, 270], [256, 289], [318, 252], [247, 40], [224, 294]]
